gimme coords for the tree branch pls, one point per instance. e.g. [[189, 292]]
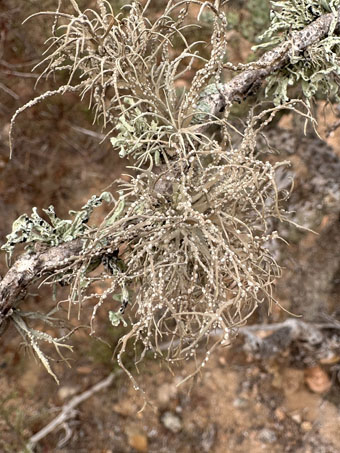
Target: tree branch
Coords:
[[31, 266], [27, 269], [318, 340], [239, 86], [67, 411]]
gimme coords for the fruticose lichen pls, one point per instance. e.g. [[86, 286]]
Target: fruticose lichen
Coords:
[[185, 249]]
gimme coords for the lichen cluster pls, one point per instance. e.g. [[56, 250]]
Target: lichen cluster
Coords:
[[316, 70], [197, 256], [185, 249], [36, 230]]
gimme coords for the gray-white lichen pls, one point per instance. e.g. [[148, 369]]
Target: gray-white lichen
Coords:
[[185, 247]]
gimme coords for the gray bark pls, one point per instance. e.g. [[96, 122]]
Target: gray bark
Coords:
[[27, 269]]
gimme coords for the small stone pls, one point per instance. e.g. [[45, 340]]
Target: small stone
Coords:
[[139, 442], [317, 380], [240, 403], [66, 392], [208, 438], [84, 369], [306, 426], [267, 435], [137, 439], [166, 392], [279, 414], [171, 421], [297, 418], [222, 361]]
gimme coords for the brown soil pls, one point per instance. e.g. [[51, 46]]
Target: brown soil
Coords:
[[237, 405]]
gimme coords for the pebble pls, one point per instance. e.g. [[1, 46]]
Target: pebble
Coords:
[[297, 418], [84, 369], [267, 435], [279, 414], [137, 438], [240, 403], [171, 421], [306, 426], [166, 392], [317, 380], [139, 442], [66, 392]]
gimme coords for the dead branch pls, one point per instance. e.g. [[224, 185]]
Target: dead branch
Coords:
[[67, 411], [318, 340], [282, 336]]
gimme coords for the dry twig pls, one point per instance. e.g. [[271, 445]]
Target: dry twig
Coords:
[[68, 410]]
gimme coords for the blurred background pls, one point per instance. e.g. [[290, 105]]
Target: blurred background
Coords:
[[243, 401]]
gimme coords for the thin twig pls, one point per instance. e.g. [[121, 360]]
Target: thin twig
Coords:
[[67, 411]]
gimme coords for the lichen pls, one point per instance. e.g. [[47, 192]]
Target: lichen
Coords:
[[35, 229], [317, 69], [185, 247], [138, 137]]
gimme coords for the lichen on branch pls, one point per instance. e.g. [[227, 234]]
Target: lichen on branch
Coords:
[[185, 249]]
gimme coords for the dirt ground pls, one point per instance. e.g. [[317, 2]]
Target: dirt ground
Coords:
[[239, 404]]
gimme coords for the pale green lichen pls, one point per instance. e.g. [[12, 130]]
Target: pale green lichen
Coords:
[[55, 231], [116, 318], [293, 15], [204, 103], [138, 136], [317, 69]]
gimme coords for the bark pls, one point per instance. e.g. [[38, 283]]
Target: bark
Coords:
[[241, 85], [27, 269], [314, 341]]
